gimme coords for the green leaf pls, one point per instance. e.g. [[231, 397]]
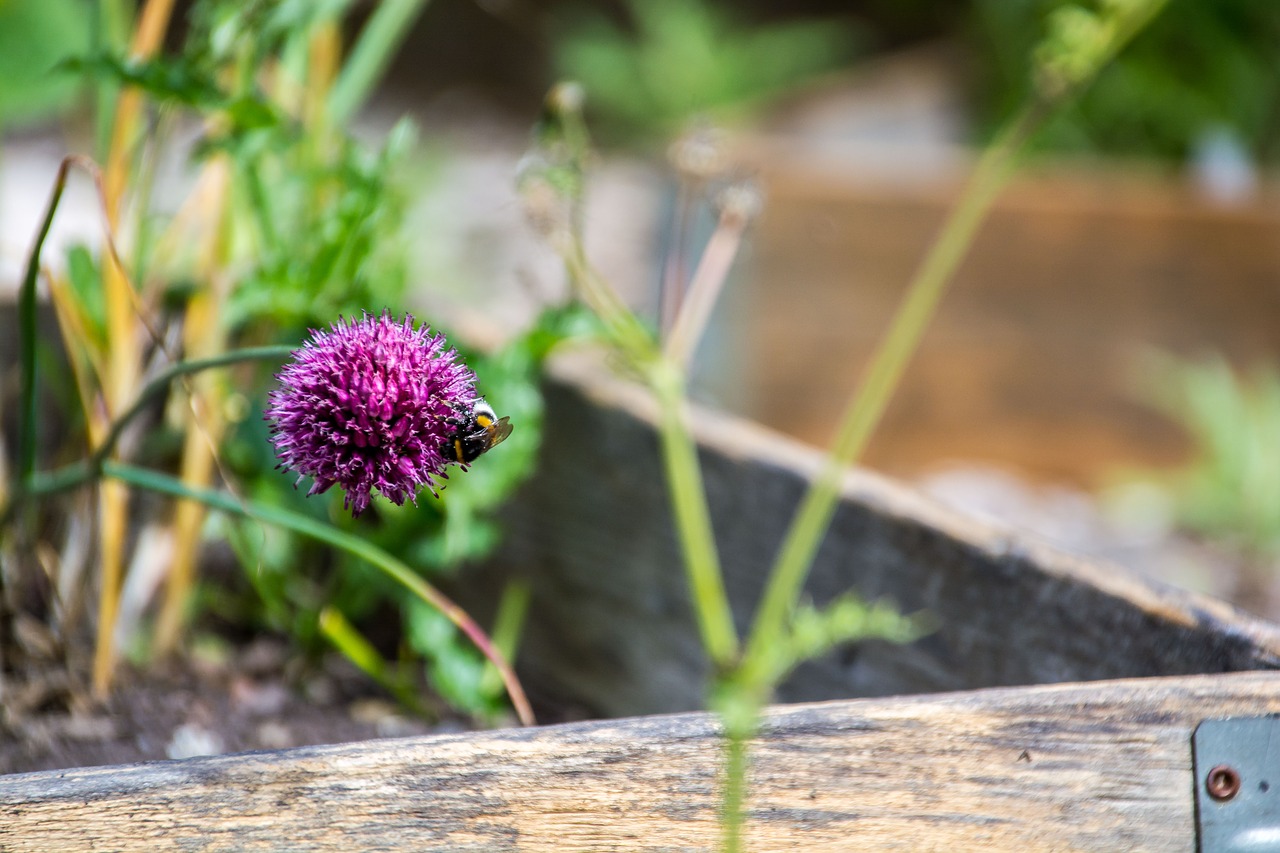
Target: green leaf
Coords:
[[353, 645], [1231, 489], [685, 57], [355, 648], [849, 618], [454, 669], [180, 81], [162, 79], [85, 279]]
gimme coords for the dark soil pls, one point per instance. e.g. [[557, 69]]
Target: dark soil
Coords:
[[200, 706]]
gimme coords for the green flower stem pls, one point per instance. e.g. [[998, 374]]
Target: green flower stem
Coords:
[[27, 337], [755, 677], [737, 763], [621, 325], [333, 537], [693, 518], [679, 454], [739, 704], [86, 470], [886, 368], [381, 36]]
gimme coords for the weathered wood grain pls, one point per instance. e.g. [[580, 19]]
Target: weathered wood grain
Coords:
[[1103, 766], [610, 628]]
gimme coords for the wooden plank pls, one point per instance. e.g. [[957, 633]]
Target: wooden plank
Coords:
[[610, 628], [1103, 766]]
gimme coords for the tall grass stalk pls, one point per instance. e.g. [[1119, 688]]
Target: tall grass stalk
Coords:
[[123, 347]]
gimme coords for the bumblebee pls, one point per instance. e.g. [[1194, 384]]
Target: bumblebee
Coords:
[[476, 429]]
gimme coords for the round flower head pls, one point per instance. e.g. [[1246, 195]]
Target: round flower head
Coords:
[[369, 404]]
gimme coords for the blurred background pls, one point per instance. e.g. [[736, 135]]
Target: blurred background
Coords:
[[1145, 225], [1102, 372]]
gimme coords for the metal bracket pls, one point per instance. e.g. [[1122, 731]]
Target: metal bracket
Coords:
[[1237, 783]]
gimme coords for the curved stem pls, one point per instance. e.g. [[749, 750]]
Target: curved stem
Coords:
[[27, 337], [354, 545], [86, 470], [160, 384]]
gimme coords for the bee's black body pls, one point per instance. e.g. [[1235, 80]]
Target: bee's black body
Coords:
[[477, 430]]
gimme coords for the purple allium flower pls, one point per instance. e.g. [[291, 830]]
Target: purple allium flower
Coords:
[[368, 405]]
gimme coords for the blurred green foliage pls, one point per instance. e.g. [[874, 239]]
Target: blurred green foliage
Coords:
[[682, 58], [329, 238], [1200, 65], [36, 35], [321, 230], [1230, 491]]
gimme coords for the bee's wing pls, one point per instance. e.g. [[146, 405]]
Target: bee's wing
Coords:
[[499, 431]]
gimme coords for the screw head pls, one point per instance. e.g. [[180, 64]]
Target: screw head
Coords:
[[1222, 782]]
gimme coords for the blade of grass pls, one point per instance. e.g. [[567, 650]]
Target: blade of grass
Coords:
[[73, 327], [324, 51], [356, 648], [508, 624], [27, 339], [372, 53]]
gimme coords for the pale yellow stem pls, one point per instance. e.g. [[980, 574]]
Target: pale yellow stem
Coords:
[[205, 336], [325, 51], [124, 349]]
